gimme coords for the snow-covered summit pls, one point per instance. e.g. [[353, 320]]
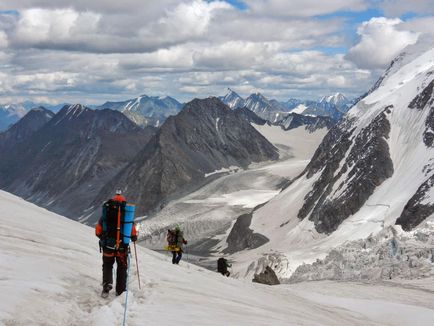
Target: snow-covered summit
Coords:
[[146, 110], [337, 99], [232, 99]]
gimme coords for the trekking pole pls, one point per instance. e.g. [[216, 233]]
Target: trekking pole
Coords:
[[137, 265], [126, 291]]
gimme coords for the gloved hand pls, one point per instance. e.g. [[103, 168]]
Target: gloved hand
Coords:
[[134, 238]]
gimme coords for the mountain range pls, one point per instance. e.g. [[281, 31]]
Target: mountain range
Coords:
[[70, 162], [11, 113], [204, 137], [333, 106], [60, 161], [153, 110]]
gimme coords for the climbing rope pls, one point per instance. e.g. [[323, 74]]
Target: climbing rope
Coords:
[[126, 290]]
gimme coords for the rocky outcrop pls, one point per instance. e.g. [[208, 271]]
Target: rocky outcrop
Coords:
[[242, 237], [342, 191], [418, 208], [250, 116], [422, 99], [268, 277], [294, 120], [327, 157], [428, 135]]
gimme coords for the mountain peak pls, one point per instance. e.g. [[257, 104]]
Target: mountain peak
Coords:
[[74, 109], [337, 99]]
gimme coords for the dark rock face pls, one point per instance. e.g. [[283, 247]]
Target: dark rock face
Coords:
[[366, 167], [422, 99], [268, 276], [428, 135], [242, 237], [204, 137], [24, 128], [250, 116], [69, 159], [328, 156], [294, 120], [416, 211]]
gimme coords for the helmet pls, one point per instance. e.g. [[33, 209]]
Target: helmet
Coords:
[[118, 197]]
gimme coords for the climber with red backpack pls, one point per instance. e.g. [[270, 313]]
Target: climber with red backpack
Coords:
[[115, 229]]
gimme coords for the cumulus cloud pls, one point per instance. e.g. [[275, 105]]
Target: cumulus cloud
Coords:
[[380, 41], [191, 19], [87, 31], [41, 26]]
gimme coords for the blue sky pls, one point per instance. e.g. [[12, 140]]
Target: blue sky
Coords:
[[93, 51]]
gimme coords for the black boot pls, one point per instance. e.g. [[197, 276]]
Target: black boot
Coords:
[[106, 289]]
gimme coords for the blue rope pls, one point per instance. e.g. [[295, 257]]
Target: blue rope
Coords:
[[126, 291]]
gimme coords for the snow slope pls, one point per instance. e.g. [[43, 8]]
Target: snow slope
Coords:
[[51, 274]]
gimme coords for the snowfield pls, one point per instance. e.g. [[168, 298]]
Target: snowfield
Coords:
[[51, 274]]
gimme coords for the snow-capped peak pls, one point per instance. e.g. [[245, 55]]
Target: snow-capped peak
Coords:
[[76, 109], [232, 99], [337, 99]]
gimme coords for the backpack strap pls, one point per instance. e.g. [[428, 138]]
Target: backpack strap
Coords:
[[104, 218], [118, 228]]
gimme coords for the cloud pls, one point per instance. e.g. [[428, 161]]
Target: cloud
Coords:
[[380, 41], [87, 31], [303, 8], [424, 25], [233, 55], [190, 19], [146, 9], [43, 28], [93, 51], [395, 8], [3, 40]]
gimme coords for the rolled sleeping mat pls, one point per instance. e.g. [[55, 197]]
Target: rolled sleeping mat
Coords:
[[128, 223]]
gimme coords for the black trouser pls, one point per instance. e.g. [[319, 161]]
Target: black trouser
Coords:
[[108, 260], [177, 255]]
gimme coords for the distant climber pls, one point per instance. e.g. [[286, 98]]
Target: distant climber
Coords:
[[175, 240], [222, 266], [115, 229]]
